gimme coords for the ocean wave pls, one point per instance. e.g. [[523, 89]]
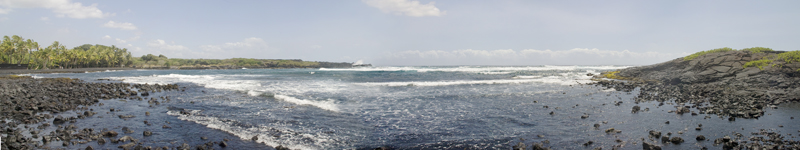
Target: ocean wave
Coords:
[[287, 139], [476, 68], [551, 79], [329, 104]]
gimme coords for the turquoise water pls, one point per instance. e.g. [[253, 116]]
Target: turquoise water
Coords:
[[421, 107]]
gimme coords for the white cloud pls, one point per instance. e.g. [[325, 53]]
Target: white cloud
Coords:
[[405, 7], [66, 30], [44, 18], [577, 56], [246, 44], [162, 45], [3, 18], [4, 10], [314, 46], [120, 25], [121, 41], [107, 37], [62, 8]]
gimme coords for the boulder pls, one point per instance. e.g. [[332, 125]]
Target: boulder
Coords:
[[519, 146], [110, 133], [635, 109], [650, 146], [700, 137], [676, 140]]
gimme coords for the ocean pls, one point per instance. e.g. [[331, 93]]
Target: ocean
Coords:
[[454, 107]]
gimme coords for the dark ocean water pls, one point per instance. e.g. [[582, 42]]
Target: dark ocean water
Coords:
[[469, 107]]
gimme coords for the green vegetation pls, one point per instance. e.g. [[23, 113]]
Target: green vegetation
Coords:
[[758, 49], [787, 57], [758, 63], [727, 49], [701, 53], [17, 50], [613, 75]]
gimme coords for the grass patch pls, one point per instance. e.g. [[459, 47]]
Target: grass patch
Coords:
[[15, 77], [701, 53], [758, 63], [613, 75], [787, 57], [758, 49]]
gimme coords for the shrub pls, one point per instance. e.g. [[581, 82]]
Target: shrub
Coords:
[[758, 63], [789, 57], [758, 49], [698, 54]]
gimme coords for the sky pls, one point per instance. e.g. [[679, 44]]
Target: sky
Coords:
[[412, 32]]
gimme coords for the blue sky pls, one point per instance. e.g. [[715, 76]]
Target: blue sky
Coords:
[[412, 32]]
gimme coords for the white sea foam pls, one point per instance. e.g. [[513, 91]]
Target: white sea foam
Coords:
[[464, 82], [280, 89], [289, 141], [327, 104], [475, 68], [526, 77], [494, 72]]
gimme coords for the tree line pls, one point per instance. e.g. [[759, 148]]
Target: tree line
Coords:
[[17, 50]]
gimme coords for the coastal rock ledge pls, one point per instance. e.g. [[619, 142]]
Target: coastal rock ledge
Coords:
[[719, 83]]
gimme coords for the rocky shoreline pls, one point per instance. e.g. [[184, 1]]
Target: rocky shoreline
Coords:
[[715, 83], [28, 104]]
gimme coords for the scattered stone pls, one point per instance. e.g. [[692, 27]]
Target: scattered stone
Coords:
[[612, 130], [89, 147], [255, 138], [700, 138], [101, 141], [280, 147], [655, 134], [588, 143], [676, 140], [596, 125], [223, 144], [127, 146], [650, 146], [126, 138], [147, 133], [147, 113], [110, 133], [519, 146], [635, 109], [584, 116], [204, 138]]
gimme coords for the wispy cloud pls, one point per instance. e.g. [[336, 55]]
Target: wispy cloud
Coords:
[[62, 8], [406, 7], [120, 25], [162, 45]]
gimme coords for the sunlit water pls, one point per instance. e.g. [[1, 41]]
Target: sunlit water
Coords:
[[417, 108]]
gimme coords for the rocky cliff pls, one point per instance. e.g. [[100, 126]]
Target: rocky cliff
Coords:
[[715, 83]]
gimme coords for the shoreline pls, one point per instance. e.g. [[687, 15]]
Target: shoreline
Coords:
[[58, 113], [122, 115]]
